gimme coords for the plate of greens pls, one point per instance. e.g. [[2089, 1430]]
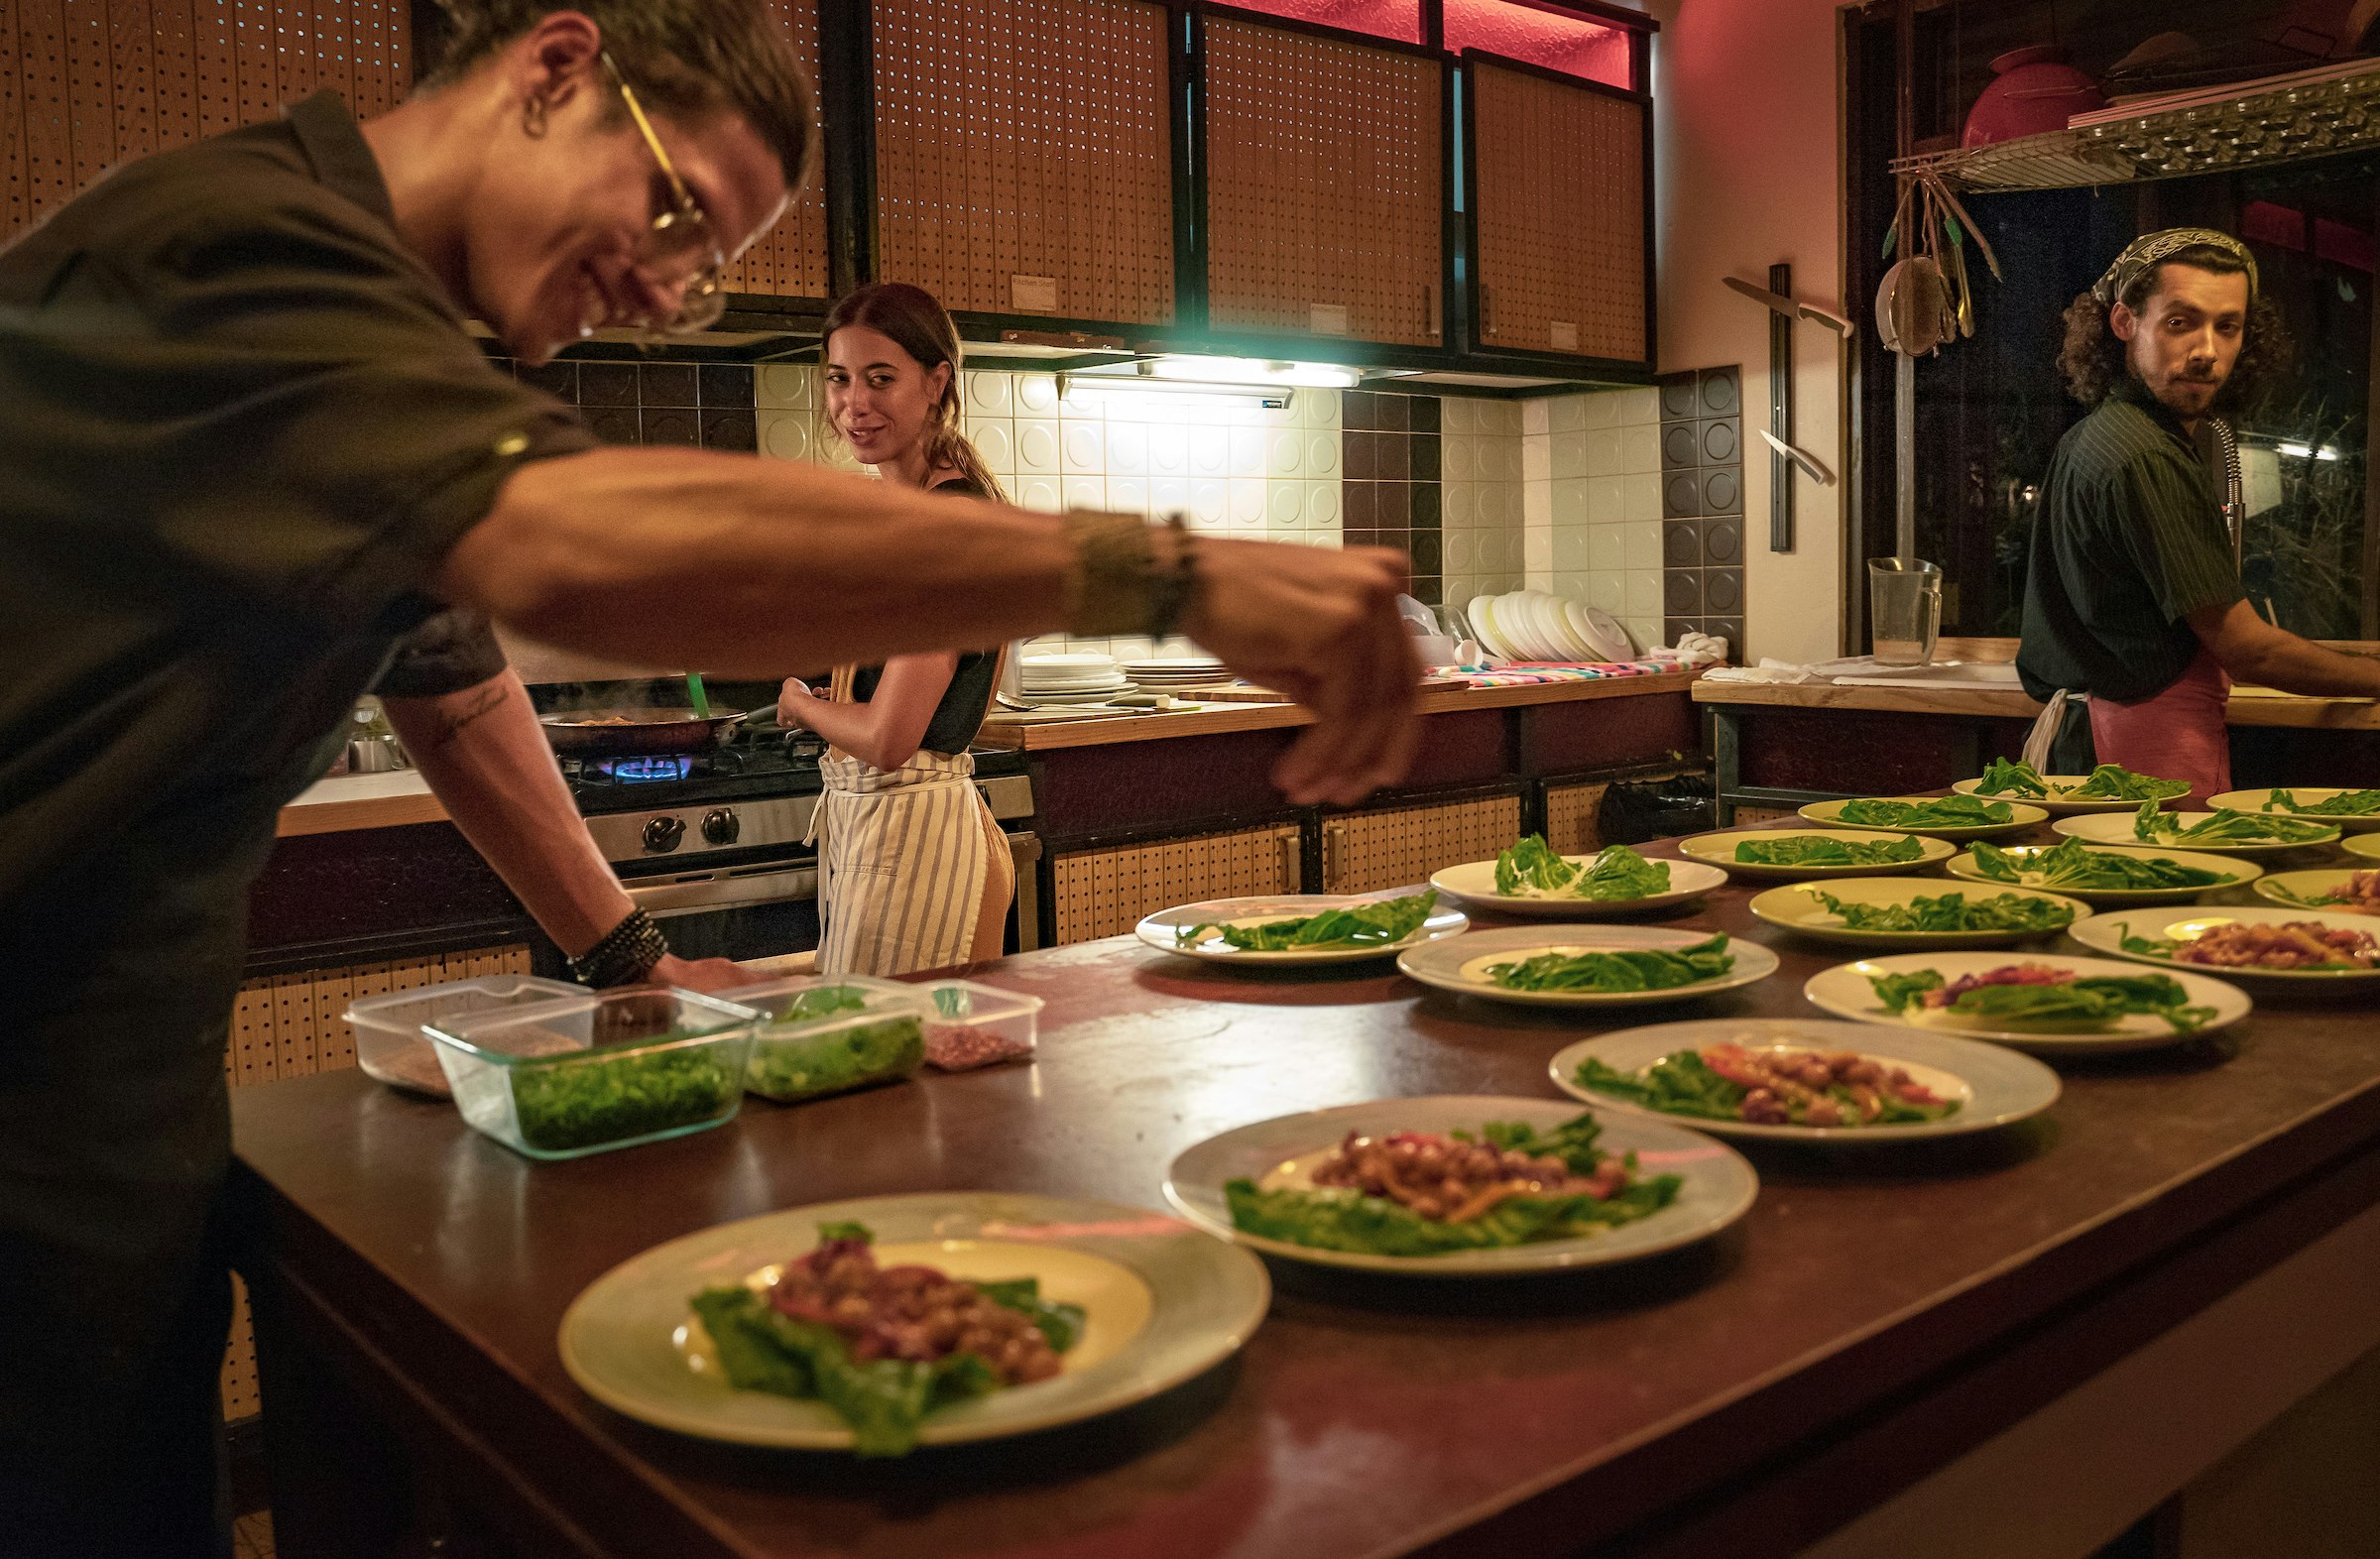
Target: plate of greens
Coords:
[[2110, 787], [1587, 965], [1805, 1080], [1796, 855], [2117, 875], [1936, 816], [2050, 1004], [1304, 929], [1532, 879], [2356, 811], [2366, 845], [1461, 1186], [1902, 911], [2292, 946], [2338, 889], [2221, 832], [735, 1333]]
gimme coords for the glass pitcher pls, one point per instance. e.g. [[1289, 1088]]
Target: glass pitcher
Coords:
[[1904, 610]]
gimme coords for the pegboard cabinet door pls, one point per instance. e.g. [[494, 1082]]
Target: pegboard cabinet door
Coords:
[[1326, 184], [1025, 156], [789, 259], [1106, 891], [1396, 847], [1559, 176]]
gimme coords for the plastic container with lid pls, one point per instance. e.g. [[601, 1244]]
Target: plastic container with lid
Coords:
[[604, 1069], [969, 1024], [825, 1035], [389, 1044]]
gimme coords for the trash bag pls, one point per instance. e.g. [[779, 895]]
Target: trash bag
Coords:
[[1637, 810]]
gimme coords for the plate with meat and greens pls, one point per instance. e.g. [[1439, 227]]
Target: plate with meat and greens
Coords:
[[2356, 812], [1305, 928], [2110, 787], [2290, 946], [1799, 854], [2223, 831], [879, 1324], [2050, 1004], [2113, 875], [2338, 889], [1902, 912], [1531, 877], [1587, 965], [1953, 816], [1457, 1186], [1808, 1080]]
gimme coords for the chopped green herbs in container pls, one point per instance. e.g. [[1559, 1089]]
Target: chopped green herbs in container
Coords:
[[828, 1035], [1382, 923], [1533, 869], [1820, 850], [608, 1069]]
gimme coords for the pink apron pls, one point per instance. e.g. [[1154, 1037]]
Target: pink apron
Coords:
[[2179, 734]]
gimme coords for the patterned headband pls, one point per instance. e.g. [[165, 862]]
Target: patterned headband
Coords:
[[2144, 253]]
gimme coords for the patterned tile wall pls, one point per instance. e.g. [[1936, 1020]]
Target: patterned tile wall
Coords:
[[1483, 480], [706, 405], [1591, 499], [1393, 450], [1702, 505]]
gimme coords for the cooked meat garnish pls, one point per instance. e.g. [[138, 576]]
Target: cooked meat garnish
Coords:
[[910, 1312]]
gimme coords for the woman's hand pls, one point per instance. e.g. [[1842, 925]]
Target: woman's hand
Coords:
[[792, 704]]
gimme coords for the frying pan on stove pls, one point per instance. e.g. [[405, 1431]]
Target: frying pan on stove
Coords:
[[619, 732]]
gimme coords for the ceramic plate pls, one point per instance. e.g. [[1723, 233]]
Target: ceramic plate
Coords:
[[2366, 845], [1718, 1185], [1164, 1303], [2116, 828], [2105, 933], [1798, 909], [2303, 795], [2312, 885], [1993, 1084], [1459, 963], [1846, 991], [1159, 931], [1602, 633], [1720, 850], [1483, 627], [2061, 805], [1473, 883], [2236, 868], [2020, 817]]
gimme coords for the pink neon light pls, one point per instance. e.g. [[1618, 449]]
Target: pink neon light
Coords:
[[1398, 19], [1574, 47]]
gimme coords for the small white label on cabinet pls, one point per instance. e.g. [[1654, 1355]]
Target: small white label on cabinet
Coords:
[[1327, 319], [1566, 335], [1033, 294]]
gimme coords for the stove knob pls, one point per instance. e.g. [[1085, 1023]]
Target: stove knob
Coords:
[[664, 832], [721, 826]]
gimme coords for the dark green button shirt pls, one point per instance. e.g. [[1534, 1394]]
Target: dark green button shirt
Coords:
[[2129, 542]]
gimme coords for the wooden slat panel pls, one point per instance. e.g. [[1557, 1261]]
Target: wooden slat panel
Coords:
[[240, 1396], [790, 261], [296, 1030], [132, 85], [90, 97], [49, 141], [1105, 892], [1572, 817], [1561, 216], [1026, 137], [1399, 846], [1324, 183]]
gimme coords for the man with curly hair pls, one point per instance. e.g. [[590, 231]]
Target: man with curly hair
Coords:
[[2132, 597]]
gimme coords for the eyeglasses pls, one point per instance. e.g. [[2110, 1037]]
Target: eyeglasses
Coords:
[[679, 237]]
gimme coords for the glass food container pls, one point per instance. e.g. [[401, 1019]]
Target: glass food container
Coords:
[[606, 1069], [825, 1035], [970, 1024], [389, 1044]]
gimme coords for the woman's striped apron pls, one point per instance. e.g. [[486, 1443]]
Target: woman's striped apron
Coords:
[[913, 872]]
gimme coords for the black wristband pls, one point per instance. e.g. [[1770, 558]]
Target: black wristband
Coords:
[[625, 955], [1175, 588]]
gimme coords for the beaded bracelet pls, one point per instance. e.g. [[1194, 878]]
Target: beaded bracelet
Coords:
[[625, 955]]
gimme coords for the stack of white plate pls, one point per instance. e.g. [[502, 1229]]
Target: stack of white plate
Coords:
[[1177, 674], [1072, 678], [1533, 625]]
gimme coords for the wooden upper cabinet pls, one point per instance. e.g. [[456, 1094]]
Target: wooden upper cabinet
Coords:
[[1024, 158], [790, 261], [1559, 178], [87, 84], [1325, 178]]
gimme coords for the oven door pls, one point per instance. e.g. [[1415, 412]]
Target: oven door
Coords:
[[760, 909]]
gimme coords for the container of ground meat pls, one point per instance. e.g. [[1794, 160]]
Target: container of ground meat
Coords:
[[830, 1033], [389, 1044], [969, 1025]]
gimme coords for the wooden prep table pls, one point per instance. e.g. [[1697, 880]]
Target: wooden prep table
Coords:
[[1983, 1333]]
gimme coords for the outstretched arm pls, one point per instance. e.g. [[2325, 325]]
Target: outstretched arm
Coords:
[[2254, 651]]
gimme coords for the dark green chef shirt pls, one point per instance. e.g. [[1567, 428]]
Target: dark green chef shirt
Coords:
[[2129, 541]]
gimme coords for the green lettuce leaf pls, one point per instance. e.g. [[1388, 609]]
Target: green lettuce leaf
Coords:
[[1626, 969], [1819, 850], [1949, 811], [2011, 778], [1951, 911], [1381, 924]]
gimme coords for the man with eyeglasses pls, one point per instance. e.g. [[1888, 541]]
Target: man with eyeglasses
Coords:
[[251, 460]]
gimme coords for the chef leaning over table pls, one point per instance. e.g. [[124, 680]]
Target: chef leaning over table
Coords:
[[2133, 594], [248, 450]]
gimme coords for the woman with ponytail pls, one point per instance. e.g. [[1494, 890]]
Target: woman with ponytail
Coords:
[[914, 872]]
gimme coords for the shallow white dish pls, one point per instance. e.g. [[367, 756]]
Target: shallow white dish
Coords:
[[1845, 991], [2261, 801], [1159, 931], [1459, 963], [2105, 933], [1473, 883], [1718, 1185], [2115, 828], [1995, 1085], [2061, 805]]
